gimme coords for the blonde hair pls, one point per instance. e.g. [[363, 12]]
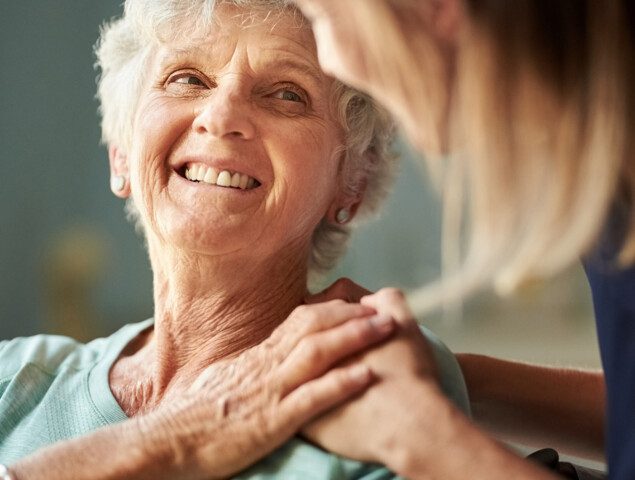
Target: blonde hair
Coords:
[[123, 50], [541, 111]]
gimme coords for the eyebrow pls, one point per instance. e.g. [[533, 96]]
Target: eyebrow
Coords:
[[287, 64], [175, 55]]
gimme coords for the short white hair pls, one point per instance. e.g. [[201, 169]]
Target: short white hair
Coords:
[[122, 53]]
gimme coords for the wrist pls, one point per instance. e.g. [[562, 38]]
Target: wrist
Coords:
[[111, 452], [441, 442], [438, 426], [174, 439], [159, 441], [430, 420]]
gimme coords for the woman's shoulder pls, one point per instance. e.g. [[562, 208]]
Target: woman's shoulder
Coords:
[[50, 353], [450, 374]]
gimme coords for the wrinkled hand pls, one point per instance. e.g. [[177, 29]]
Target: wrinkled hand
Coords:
[[369, 426], [241, 409]]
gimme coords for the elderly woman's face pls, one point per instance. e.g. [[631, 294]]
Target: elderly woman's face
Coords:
[[234, 141]]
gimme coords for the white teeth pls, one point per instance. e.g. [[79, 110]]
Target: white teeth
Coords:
[[235, 180], [209, 175], [224, 179]]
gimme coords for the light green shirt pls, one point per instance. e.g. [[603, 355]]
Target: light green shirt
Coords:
[[53, 388]]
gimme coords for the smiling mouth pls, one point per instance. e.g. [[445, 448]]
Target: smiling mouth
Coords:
[[199, 173]]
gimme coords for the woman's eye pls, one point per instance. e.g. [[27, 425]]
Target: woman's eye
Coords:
[[289, 95], [189, 80]]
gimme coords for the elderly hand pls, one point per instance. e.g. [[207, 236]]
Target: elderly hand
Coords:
[[368, 427], [241, 409]]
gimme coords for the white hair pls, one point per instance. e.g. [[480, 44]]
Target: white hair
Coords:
[[123, 50]]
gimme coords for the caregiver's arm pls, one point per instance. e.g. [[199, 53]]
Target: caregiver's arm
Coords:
[[236, 412], [541, 406], [440, 442]]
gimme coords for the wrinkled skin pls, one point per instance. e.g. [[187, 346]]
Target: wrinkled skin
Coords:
[[240, 409]]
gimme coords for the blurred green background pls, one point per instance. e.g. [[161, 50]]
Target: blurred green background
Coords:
[[71, 264]]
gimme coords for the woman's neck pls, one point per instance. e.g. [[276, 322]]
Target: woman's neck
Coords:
[[206, 309]]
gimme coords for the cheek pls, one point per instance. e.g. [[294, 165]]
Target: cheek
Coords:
[[305, 168], [156, 129], [159, 123]]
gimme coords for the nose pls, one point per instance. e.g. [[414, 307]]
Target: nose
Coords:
[[226, 113]]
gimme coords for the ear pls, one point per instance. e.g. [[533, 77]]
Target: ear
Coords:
[[347, 202], [119, 173]]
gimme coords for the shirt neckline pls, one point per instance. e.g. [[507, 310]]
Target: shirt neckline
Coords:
[[98, 384]]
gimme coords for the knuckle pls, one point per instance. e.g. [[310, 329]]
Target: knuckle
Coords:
[[313, 353], [342, 381], [362, 331], [307, 402], [311, 321], [305, 318], [336, 302], [298, 312]]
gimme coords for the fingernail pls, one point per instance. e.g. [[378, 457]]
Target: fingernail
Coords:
[[382, 323], [360, 374]]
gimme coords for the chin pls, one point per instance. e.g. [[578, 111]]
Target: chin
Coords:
[[208, 236]]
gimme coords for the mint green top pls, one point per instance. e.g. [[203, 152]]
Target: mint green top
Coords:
[[54, 388]]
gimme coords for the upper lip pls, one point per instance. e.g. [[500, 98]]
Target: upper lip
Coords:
[[219, 163]]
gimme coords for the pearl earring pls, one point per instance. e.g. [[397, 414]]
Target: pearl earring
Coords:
[[118, 183], [342, 216]]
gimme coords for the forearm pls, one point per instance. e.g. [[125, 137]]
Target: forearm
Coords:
[[443, 443], [111, 453], [538, 406]]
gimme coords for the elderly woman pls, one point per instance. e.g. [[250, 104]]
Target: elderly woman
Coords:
[[243, 164]]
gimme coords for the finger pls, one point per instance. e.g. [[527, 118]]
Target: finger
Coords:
[[308, 319], [315, 397], [392, 302], [343, 289], [315, 354]]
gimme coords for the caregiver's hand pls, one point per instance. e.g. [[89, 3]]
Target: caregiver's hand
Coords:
[[237, 411], [339, 48], [405, 422], [370, 425]]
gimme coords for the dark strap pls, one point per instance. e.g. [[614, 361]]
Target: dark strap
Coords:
[[549, 458]]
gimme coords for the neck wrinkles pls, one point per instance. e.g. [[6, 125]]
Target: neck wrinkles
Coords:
[[209, 308]]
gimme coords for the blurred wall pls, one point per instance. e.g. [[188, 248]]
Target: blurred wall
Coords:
[[70, 262], [55, 173]]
